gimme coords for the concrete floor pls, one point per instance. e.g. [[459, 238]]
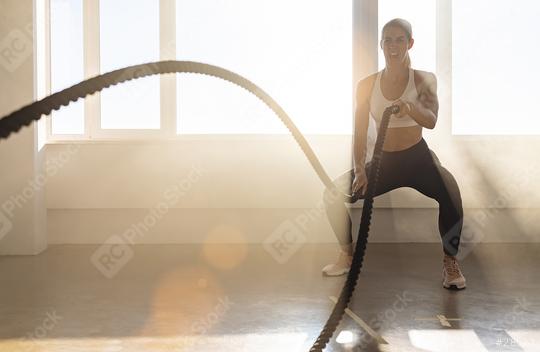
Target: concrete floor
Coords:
[[241, 298]]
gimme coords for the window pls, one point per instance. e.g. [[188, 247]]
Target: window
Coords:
[[489, 96], [66, 26], [129, 35], [303, 61], [299, 52]]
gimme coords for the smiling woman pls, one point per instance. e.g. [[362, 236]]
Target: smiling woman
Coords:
[[407, 160], [423, 14]]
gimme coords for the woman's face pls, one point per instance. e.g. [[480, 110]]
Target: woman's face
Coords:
[[395, 46]]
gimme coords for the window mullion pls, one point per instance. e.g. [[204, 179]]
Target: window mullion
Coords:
[[167, 35], [444, 66], [47, 64], [92, 106]]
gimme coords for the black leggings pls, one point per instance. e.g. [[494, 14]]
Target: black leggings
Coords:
[[417, 167]]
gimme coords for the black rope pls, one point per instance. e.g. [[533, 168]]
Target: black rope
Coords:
[[23, 117], [363, 231]]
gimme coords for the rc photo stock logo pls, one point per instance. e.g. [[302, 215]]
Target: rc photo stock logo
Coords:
[[15, 48], [112, 255], [290, 236], [5, 225], [17, 201], [284, 241]]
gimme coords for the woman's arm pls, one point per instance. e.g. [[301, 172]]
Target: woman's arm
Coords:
[[361, 122], [425, 112]]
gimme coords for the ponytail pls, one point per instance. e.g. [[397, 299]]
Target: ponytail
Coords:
[[408, 60]]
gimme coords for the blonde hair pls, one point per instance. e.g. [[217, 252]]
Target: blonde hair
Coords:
[[405, 26]]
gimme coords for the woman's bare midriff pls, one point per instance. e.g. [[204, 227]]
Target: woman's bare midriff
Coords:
[[401, 138]]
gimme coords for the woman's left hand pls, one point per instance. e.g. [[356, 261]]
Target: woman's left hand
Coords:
[[405, 108]]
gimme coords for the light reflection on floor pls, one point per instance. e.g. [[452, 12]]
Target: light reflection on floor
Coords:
[[444, 340], [242, 342]]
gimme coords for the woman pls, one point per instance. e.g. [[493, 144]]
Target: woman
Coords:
[[406, 160]]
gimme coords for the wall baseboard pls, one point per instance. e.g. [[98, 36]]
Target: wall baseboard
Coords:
[[144, 226]]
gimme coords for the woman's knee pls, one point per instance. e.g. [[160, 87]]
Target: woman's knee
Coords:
[[331, 196], [435, 158], [451, 185], [342, 185], [450, 195]]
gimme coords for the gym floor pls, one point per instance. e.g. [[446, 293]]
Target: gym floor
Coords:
[[239, 298]]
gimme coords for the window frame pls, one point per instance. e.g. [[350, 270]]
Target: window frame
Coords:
[[168, 84], [91, 55], [365, 61]]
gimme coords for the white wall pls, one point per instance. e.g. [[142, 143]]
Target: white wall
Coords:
[[255, 184], [22, 201]]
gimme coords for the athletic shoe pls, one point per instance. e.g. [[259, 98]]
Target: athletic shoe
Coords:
[[452, 276], [342, 266]]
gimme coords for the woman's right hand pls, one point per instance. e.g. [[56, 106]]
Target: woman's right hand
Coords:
[[360, 182]]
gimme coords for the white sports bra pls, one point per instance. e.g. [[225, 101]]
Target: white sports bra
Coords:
[[378, 103]]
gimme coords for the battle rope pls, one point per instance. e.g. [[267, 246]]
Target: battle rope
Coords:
[[16, 120], [361, 242]]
